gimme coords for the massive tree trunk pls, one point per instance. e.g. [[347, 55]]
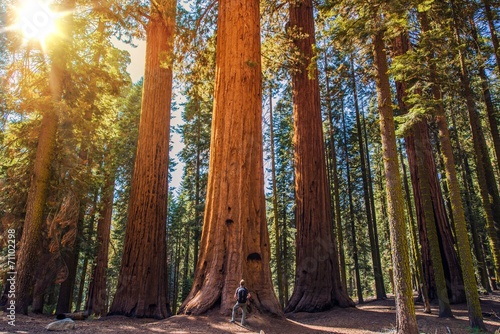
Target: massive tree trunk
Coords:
[[235, 241], [417, 259], [142, 283], [317, 281], [37, 195], [421, 153], [430, 222], [405, 311]]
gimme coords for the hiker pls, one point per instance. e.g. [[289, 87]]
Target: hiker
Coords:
[[241, 295]]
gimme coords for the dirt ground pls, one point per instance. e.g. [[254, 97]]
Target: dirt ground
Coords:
[[370, 317]]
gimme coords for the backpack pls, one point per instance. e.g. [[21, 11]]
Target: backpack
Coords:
[[242, 295]]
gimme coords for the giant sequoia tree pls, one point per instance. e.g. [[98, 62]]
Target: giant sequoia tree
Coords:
[[142, 282], [235, 241], [317, 282]]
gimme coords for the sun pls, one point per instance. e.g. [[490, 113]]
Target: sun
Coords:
[[35, 20]]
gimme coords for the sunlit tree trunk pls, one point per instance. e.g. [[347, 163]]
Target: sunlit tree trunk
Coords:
[[317, 280], [235, 241], [405, 311], [37, 195], [142, 282]]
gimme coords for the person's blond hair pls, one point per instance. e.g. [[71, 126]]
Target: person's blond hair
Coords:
[[242, 282]]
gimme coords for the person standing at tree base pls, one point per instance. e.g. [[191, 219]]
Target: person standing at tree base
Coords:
[[241, 295]]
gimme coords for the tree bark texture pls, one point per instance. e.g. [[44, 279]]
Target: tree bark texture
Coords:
[[142, 282], [463, 245], [417, 259], [430, 222], [420, 153], [235, 242], [405, 311], [317, 281], [486, 179]]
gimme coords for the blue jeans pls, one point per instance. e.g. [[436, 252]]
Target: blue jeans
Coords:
[[243, 309]]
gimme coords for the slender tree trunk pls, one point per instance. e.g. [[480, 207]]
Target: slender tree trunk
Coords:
[[352, 225], [474, 307], [377, 269], [235, 240], [370, 190], [286, 283], [470, 217], [277, 234], [198, 213], [405, 311], [86, 260], [142, 284], [488, 101], [96, 302], [336, 189], [317, 281], [493, 32], [37, 195], [486, 179], [473, 304]]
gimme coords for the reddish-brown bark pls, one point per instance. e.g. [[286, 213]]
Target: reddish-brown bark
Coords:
[[317, 283], [142, 284], [235, 241]]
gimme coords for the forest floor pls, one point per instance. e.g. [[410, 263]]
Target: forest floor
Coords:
[[370, 317]]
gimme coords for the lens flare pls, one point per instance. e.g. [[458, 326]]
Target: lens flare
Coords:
[[35, 20]]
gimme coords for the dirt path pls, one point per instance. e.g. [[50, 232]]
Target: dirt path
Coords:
[[371, 317]]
